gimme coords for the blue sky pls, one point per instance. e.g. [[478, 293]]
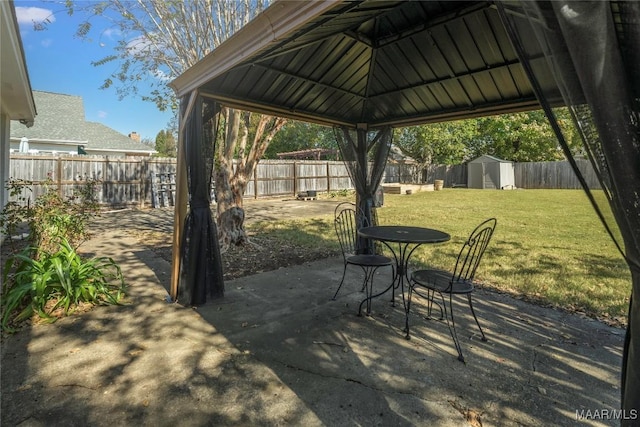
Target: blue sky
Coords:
[[59, 62]]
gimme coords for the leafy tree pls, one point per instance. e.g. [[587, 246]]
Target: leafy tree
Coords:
[[297, 135], [438, 143], [523, 137], [159, 40], [166, 144], [520, 137]]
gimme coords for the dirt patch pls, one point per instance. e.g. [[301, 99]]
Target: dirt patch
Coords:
[[265, 254]]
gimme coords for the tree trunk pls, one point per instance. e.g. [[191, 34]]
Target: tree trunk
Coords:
[[230, 208], [230, 182]]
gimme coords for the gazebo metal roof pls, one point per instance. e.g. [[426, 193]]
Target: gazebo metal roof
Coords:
[[377, 62]]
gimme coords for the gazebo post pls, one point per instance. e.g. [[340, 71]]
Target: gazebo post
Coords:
[[180, 207]]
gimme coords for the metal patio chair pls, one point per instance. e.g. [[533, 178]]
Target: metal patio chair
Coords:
[[460, 281], [348, 219]]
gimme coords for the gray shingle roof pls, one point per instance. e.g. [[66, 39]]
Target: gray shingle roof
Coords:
[[61, 117]]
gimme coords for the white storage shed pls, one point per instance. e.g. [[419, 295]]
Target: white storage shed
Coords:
[[488, 172]]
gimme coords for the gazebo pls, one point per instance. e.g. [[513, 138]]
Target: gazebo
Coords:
[[365, 67]]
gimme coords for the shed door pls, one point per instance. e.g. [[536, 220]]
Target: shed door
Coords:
[[475, 177], [490, 175]]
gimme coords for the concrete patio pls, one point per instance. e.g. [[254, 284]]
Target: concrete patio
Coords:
[[277, 351]]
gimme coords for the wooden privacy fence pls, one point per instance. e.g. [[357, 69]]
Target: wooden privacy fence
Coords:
[[289, 177], [539, 175], [150, 181], [452, 175], [120, 181]]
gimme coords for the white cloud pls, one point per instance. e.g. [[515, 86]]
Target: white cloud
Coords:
[[46, 42], [111, 32], [102, 114], [29, 15], [162, 76], [139, 46]]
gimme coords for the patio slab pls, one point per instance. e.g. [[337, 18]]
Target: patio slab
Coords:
[[277, 351]]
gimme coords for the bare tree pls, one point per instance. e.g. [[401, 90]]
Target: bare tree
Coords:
[[158, 41]]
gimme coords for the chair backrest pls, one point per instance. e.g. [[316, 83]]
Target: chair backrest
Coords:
[[348, 219], [473, 250]]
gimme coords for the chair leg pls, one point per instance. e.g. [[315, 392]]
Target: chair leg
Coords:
[[394, 286], [431, 301], [368, 284], [484, 338], [407, 309], [452, 325], [344, 272], [365, 280]]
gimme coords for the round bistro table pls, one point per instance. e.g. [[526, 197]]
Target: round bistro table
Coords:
[[402, 241]]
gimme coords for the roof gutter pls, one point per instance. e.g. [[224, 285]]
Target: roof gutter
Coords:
[[15, 78], [278, 20], [119, 150], [53, 141]]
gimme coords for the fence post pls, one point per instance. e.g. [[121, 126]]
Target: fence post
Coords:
[[143, 173], [328, 178], [59, 175], [295, 180], [255, 182]]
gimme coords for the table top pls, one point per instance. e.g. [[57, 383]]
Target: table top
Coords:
[[404, 234]]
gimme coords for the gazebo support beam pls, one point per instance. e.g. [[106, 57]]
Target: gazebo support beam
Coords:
[[180, 207]]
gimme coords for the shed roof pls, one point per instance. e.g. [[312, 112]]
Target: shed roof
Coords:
[[372, 61], [487, 158]]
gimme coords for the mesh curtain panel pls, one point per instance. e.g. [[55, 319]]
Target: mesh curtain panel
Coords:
[[597, 74], [201, 265], [365, 153]]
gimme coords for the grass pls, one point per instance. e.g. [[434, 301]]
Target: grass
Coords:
[[549, 245]]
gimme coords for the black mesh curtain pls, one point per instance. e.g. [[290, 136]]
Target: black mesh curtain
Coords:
[[597, 72], [200, 266], [365, 153]]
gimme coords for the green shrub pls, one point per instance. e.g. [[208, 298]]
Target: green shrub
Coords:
[[48, 275], [62, 277], [52, 216]]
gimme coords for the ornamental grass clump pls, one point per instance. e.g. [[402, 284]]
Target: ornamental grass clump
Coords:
[[56, 281]]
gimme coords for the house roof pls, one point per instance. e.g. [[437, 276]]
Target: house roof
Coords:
[[61, 119], [373, 61]]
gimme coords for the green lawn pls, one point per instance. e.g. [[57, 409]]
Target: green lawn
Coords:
[[549, 245]]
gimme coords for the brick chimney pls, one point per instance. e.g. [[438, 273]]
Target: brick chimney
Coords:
[[134, 136]]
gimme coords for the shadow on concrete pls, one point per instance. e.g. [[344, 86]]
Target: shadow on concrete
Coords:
[[277, 351]]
